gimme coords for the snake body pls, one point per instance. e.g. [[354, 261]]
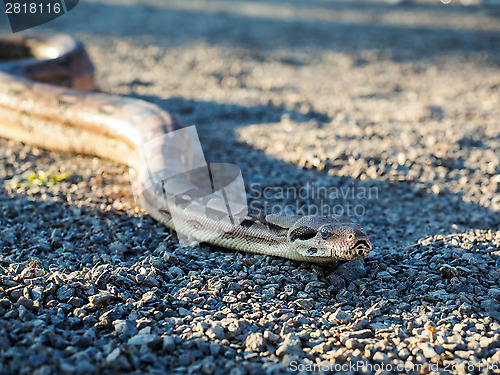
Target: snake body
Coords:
[[46, 100]]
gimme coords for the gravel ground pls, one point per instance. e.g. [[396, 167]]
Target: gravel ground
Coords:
[[386, 113]]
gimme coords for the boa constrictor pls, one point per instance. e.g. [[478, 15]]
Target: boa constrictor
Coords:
[[46, 100]]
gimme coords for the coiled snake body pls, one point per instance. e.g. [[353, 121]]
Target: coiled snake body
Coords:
[[45, 101]]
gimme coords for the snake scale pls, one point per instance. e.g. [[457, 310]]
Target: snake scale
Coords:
[[46, 100]]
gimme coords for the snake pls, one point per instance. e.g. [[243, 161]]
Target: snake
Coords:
[[47, 99]]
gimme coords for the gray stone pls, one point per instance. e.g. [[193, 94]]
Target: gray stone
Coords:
[[64, 293], [235, 328], [353, 344], [322, 348], [494, 293], [302, 303], [184, 359], [235, 286], [270, 336], [492, 307], [24, 314], [81, 341], [490, 342], [142, 339], [26, 302], [361, 334], [353, 270], [208, 366], [336, 282], [127, 328], [100, 298], [341, 317], [150, 281], [113, 355], [291, 345], [75, 301], [373, 312], [384, 276], [404, 353], [168, 343], [381, 357], [429, 350], [312, 285], [176, 271], [37, 292], [255, 342], [215, 332], [183, 312]]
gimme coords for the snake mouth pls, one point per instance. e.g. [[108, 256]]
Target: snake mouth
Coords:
[[362, 245], [360, 249]]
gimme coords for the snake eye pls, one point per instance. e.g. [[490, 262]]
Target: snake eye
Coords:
[[324, 232]]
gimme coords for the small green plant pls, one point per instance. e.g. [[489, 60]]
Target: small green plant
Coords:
[[40, 178]]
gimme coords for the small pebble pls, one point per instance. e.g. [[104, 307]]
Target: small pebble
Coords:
[[255, 342]]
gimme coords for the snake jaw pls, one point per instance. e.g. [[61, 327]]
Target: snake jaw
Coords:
[[358, 248]]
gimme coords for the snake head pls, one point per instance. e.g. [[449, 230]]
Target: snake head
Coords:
[[332, 238]]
